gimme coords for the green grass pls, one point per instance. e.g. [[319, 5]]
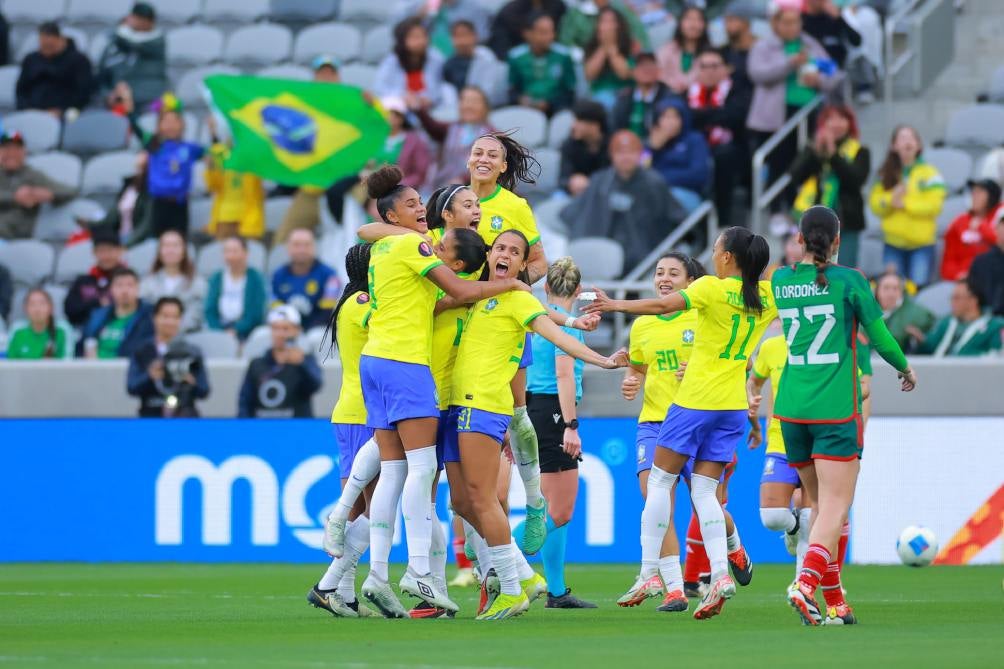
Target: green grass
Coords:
[[130, 615]]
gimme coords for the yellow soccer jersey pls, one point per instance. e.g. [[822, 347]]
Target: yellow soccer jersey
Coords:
[[504, 210], [769, 363], [351, 337], [446, 330], [726, 335], [662, 343], [490, 350], [402, 301]]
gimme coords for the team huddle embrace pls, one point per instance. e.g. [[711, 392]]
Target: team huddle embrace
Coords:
[[440, 373]]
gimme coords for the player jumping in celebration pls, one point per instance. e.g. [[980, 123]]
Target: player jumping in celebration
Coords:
[[708, 415], [398, 387], [819, 399], [482, 401]]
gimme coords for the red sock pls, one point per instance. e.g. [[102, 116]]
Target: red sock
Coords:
[[697, 563], [831, 585], [845, 533], [814, 566], [459, 555]]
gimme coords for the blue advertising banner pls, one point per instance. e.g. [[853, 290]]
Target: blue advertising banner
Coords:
[[258, 491]]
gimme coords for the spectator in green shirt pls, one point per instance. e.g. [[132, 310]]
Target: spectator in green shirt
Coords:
[[907, 321], [578, 25], [117, 330], [970, 330], [608, 60], [541, 73], [40, 337]]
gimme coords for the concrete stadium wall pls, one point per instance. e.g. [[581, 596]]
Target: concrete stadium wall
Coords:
[[957, 387]]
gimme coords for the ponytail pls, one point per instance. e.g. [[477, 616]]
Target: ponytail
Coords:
[[522, 166], [357, 264], [819, 227], [752, 253]]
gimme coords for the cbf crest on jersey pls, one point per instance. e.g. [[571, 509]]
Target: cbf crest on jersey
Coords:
[[491, 304], [497, 223], [688, 337]]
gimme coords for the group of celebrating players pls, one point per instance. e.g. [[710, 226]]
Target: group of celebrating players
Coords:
[[433, 333]]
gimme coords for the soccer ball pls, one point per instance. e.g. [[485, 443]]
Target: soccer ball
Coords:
[[917, 546]]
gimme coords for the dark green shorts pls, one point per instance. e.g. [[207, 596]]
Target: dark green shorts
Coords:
[[826, 441]]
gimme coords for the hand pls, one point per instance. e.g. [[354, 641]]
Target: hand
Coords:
[[123, 92], [24, 197], [897, 195], [571, 443], [415, 102], [587, 323], [908, 380], [156, 370], [630, 387], [577, 183], [680, 371], [189, 379], [755, 437], [294, 356], [811, 79], [754, 402], [799, 59], [915, 332], [617, 360], [42, 195], [601, 304], [830, 8]]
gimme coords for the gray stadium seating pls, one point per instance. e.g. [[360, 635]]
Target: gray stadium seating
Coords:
[[363, 11], [997, 85], [141, 256], [177, 12], [337, 39], [287, 71], [234, 11], [936, 298], [103, 174], [40, 129], [55, 224], [96, 15], [214, 343], [8, 84], [30, 261], [976, 126], [559, 127], [530, 125], [299, 13], [65, 168], [952, 208], [259, 45], [955, 166], [199, 209], [377, 43], [275, 210], [550, 169], [189, 88], [191, 46], [33, 12], [599, 258], [96, 131], [358, 74], [73, 261]]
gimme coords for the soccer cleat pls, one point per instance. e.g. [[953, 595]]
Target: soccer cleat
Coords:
[[505, 606], [534, 587], [427, 610], [425, 588], [465, 578], [741, 566], [791, 536], [674, 601], [842, 614], [381, 596], [334, 537], [692, 589], [714, 600], [800, 598], [642, 589], [469, 551], [330, 601], [567, 601], [490, 589], [534, 529], [361, 609]]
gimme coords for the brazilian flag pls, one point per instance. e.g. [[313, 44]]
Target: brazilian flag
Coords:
[[297, 132]]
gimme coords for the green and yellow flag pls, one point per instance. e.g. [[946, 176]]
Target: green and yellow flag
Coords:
[[297, 132]]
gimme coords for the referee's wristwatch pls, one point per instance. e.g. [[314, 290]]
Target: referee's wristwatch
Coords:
[[571, 424]]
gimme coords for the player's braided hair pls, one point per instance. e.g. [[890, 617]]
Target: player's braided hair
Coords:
[[522, 166], [819, 227], [357, 265]]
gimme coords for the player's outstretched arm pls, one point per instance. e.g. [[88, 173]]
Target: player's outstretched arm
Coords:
[[575, 348], [649, 306], [888, 348], [466, 292]]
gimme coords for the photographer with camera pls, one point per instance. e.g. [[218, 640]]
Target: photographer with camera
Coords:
[[166, 373], [280, 383]]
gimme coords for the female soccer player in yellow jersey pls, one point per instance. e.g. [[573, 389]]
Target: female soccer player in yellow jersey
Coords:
[[489, 354], [398, 388], [358, 453], [819, 398], [497, 164], [708, 414], [659, 347]]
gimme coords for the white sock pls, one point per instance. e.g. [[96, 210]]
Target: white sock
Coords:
[[732, 542], [777, 519], [383, 506], [364, 469], [504, 559], [437, 554], [672, 575], [523, 438], [655, 518], [485, 562], [357, 540], [415, 506], [523, 568], [804, 525], [712, 519]]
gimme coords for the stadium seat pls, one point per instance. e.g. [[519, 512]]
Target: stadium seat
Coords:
[[141, 256], [358, 74], [997, 85], [953, 207], [275, 210], [259, 45], [56, 224], [58, 295], [99, 42], [30, 261], [870, 255], [104, 174], [955, 166], [277, 257], [315, 340], [555, 243], [259, 341], [40, 129], [363, 11], [96, 14], [190, 89], [599, 258], [300, 13], [191, 46], [559, 127], [214, 343], [65, 168], [198, 186], [662, 32], [936, 298], [287, 71], [547, 215], [530, 125], [990, 166], [234, 11], [8, 85], [377, 43], [210, 257], [336, 39], [976, 126], [200, 209], [493, 6], [499, 95], [30, 42], [33, 12], [72, 262], [550, 169], [96, 131], [177, 12]]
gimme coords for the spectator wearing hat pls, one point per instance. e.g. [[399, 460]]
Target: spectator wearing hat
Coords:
[[970, 330], [57, 76], [986, 274], [680, 153], [973, 232], [23, 190], [281, 383], [237, 293], [471, 63], [118, 329], [305, 282], [507, 31], [136, 56], [541, 72], [635, 107], [584, 151], [442, 16], [579, 24], [92, 291], [327, 69]]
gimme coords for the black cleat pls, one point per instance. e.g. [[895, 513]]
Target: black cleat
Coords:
[[567, 601], [741, 566]]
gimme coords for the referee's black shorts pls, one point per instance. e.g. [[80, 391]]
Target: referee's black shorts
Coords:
[[545, 414]]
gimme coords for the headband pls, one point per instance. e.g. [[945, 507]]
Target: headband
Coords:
[[446, 202]]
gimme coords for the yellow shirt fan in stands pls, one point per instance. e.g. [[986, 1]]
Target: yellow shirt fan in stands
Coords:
[[351, 337], [662, 343]]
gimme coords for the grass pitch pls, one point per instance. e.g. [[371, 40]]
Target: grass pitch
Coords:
[[130, 615]]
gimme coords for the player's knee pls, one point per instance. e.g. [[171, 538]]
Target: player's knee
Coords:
[[560, 516], [776, 518]]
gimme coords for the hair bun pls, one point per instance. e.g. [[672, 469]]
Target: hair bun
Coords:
[[383, 181]]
